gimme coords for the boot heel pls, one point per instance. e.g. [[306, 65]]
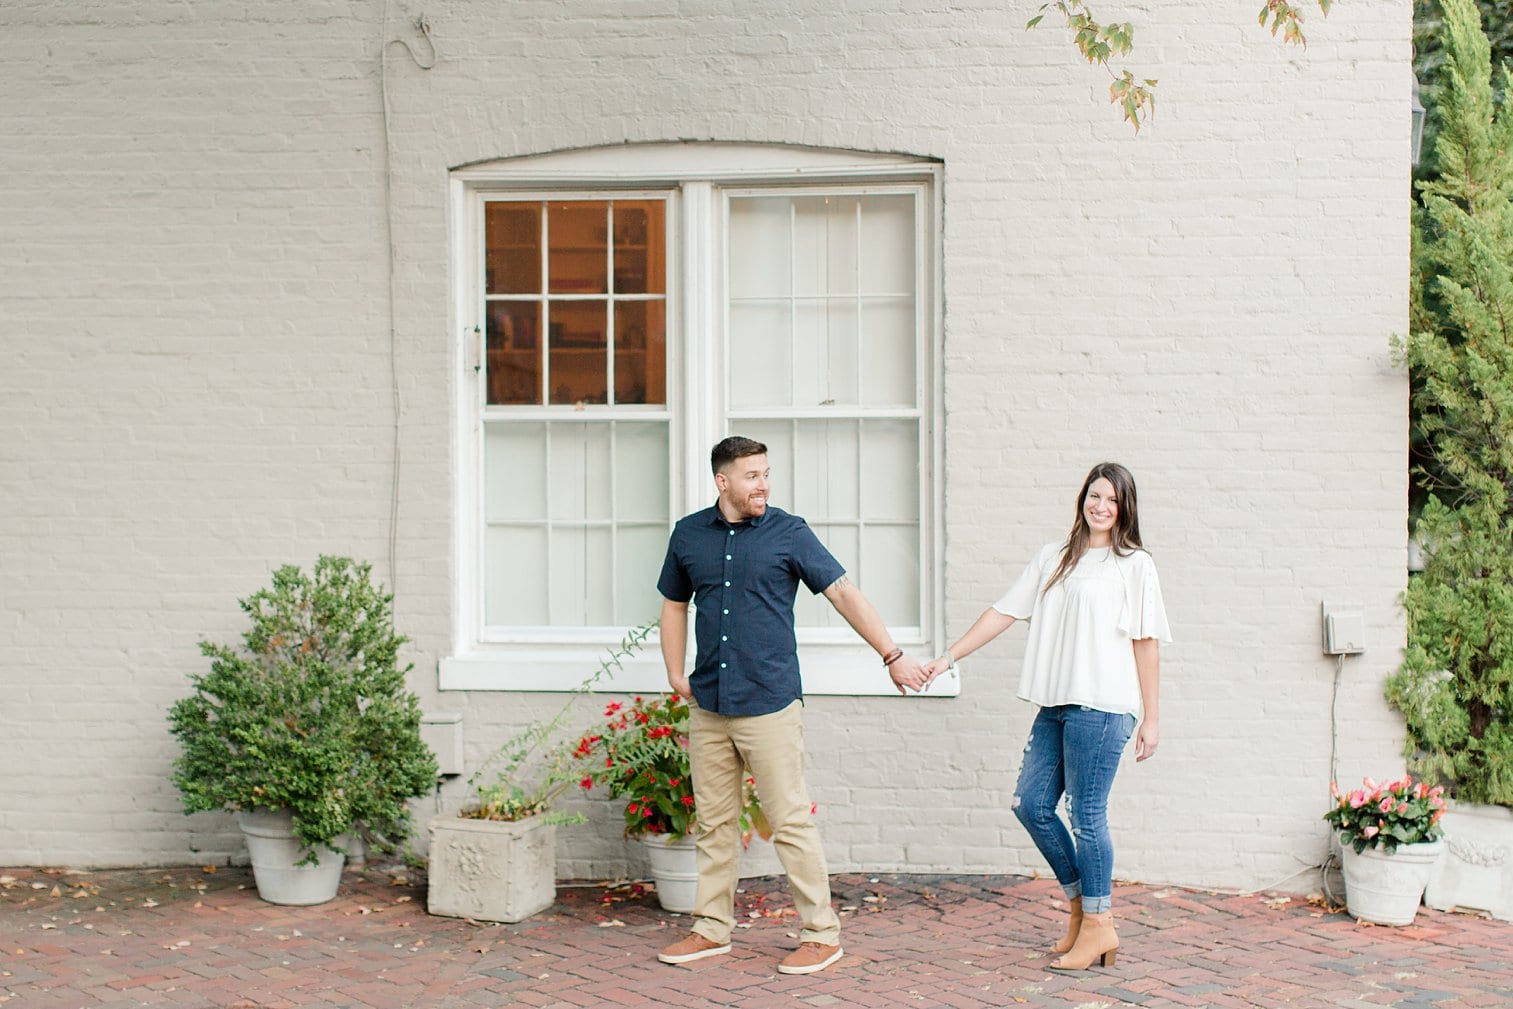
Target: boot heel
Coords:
[[1107, 960]]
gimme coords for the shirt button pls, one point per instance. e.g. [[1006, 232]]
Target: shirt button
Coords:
[[724, 638], [722, 665], [726, 612], [732, 532], [727, 557], [727, 585]]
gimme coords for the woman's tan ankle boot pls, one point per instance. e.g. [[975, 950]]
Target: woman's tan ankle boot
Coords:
[[1096, 940], [1071, 929]]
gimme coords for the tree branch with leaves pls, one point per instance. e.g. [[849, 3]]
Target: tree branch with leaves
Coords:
[[1098, 42]]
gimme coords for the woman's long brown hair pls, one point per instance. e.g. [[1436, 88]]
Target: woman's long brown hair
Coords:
[[1126, 532]]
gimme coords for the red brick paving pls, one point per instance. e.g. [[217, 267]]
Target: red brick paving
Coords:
[[184, 937]]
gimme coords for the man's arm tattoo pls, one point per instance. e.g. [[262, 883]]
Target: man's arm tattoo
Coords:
[[840, 583]]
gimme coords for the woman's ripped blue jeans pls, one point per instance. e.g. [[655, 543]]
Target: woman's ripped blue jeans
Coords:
[[1073, 750]]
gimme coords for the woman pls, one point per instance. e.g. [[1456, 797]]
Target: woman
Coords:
[[1095, 613]]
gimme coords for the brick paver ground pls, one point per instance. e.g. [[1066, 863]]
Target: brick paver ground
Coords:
[[188, 937]]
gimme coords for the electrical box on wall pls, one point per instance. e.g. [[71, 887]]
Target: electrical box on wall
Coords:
[[1344, 629], [442, 732]]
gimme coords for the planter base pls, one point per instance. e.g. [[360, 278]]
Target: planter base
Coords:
[[675, 867], [1386, 889], [275, 850], [491, 870], [1476, 873]]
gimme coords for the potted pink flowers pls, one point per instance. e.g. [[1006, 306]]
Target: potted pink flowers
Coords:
[[1389, 837]]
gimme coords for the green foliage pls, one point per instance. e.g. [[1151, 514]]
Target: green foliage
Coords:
[[1387, 815], [1099, 42], [641, 754], [310, 714], [1455, 686], [531, 768]]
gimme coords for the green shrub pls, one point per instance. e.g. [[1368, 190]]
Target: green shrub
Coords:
[[311, 714], [1455, 686]]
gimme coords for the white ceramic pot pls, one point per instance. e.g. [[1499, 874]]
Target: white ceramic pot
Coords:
[[491, 870], [675, 869], [275, 851], [1386, 889]]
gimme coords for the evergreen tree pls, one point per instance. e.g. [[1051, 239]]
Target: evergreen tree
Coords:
[[1455, 686]]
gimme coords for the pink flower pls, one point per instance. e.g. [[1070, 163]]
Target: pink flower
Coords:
[[1386, 804], [1371, 785], [1357, 799], [1371, 831], [1402, 808]]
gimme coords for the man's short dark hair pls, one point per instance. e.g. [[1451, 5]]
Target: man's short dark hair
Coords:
[[733, 448]]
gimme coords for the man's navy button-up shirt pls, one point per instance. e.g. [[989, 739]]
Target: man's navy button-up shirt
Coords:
[[743, 578]]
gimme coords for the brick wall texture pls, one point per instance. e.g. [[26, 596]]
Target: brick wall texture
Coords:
[[195, 373]]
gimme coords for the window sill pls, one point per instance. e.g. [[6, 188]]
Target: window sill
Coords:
[[851, 669]]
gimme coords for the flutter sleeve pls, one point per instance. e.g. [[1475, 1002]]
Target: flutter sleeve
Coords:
[[1019, 601], [1144, 611]]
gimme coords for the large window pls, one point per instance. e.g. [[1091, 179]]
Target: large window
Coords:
[[616, 333], [576, 503]]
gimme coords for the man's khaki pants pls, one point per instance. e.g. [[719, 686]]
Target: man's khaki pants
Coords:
[[772, 746]]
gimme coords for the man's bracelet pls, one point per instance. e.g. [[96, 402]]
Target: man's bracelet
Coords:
[[893, 657]]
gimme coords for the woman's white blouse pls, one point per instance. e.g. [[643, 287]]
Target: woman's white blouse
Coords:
[[1078, 651]]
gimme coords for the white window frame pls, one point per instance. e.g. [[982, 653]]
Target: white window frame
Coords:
[[698, 180]]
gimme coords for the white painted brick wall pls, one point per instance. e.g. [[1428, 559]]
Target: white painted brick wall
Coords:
[[195, 378]]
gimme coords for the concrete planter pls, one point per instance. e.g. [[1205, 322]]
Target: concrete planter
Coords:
[[675, 869], [275, 851], [1386, 889], [1477, 870], [491, 870]]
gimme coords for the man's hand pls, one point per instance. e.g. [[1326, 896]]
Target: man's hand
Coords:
[[679, 684], [908, 673]]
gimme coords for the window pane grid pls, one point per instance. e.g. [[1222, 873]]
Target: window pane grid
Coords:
[[838, 400], [572, 536], [592, 259]]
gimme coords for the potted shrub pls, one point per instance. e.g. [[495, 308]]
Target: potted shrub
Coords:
[[495, 858], [1389, 838], [306, 730], [1455, 686], [640, 753]]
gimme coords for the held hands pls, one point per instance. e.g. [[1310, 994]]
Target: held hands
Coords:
[[1147, 738], [935, 667], [908, 674]]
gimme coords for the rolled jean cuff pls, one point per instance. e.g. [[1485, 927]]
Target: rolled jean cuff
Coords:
[[1097, 905], [1073, 890]]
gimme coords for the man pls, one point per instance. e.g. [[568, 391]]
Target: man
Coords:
[[742, 560]]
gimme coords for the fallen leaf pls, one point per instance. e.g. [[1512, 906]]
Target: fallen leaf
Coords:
[[208, 870], [612, 923], [149, 902], [401, 900]]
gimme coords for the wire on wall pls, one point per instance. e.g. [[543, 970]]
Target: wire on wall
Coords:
[[424, 27]]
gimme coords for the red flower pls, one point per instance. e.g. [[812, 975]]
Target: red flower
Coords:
[[646, 811], [659, 732], [673, 782], [613, 707], [587, 783], [688, 801], [642, 718], [633, 809]]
